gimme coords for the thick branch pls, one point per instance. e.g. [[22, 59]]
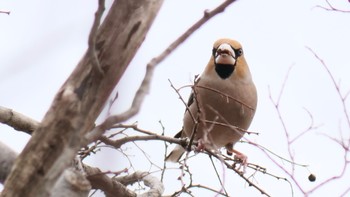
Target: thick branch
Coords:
[[156, 186], [110, 187], [81, 99], [117, 186], [71, 183], [92, 37]]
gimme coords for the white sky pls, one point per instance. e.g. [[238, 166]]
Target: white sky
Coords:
[[41, 42]]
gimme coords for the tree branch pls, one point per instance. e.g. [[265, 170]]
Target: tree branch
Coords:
[[120, 142], [109, 186], [92, 37], [18, 121], [5, 12], [117, 185], [156, 187], [331, 8], [74, 184], [71, 183], [80, 100]]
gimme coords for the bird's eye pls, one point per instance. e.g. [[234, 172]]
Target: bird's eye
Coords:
[[239, 52]]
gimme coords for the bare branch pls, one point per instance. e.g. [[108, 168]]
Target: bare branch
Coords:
[[331, 8], [156, 187], [208, 188], [232, 167], [101, 181], [218, 176], [92, 37], [118, 143], [5, 12], [117, 185], [80, 100], [71, 183], [275, 154], [183, 101], [345, 192], [282, 121], [341, 97], [308, 129], [18, 121]]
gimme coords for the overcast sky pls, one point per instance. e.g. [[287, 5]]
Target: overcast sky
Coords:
[[41, 42]]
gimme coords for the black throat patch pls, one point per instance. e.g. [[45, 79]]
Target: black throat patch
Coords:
[[224, 70]]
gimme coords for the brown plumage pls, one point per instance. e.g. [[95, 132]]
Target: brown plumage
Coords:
[[223, 101]]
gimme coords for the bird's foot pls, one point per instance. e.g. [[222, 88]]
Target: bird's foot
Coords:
[[200, 146], [242, 161]]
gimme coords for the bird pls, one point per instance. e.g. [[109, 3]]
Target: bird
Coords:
[[222, 103]]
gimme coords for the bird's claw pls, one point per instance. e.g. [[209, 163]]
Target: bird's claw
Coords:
[[242, 161], [200, 146]]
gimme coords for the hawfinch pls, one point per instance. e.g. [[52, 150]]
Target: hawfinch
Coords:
[[222, 103]]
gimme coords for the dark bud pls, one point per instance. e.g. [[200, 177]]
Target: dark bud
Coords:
[[312, 178]]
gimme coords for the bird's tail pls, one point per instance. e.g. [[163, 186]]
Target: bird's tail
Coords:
[[176, 154]]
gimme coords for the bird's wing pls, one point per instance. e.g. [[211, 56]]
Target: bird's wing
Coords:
[[189, 103], [191, 98], [179, 134]]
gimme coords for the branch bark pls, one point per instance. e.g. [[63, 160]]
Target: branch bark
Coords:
[[80, 100], [117, 186], [17, 120], [74, 183]]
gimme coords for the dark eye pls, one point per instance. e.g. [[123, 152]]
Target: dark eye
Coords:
[[239, 52]]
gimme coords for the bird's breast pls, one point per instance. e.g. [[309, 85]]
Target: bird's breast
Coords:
[[218, 105]]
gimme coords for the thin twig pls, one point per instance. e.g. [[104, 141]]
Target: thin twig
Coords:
[[341, 97], [219, 92], [208, 188], [182, 100], [165, 152], [222, 182], [5, 12], [331, 8], [275, 154], [230, 166], [120, 142], [282, 121], [196, 120], [308, 129]]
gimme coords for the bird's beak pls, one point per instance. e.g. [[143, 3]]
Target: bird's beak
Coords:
[[225, 55]]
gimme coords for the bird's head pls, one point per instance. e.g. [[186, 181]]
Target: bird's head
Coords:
[[227, 59]]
